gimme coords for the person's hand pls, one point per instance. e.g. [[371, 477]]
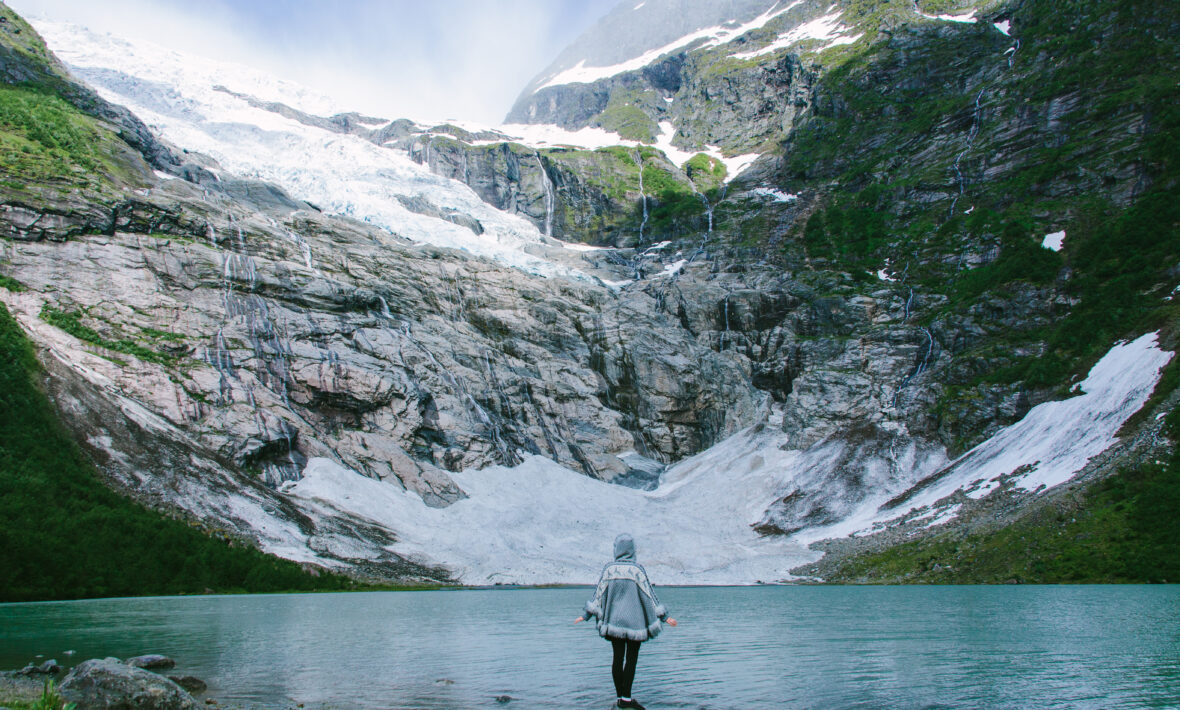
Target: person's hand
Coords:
[[672, 622], [579, 620]]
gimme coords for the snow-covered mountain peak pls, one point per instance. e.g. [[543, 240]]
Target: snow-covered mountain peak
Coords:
[[633, 35]]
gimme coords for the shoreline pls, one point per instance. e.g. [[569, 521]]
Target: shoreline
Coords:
[[536, 587]]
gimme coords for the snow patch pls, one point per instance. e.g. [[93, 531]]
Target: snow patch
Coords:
[[540, 522], [1003, 26], [576, 246], [968, 18], [674, 268], [734, 165], [827, 28], [1054, 241], [616, 284], [1047, 447], [774, 195], [544, 135], [163, 175]]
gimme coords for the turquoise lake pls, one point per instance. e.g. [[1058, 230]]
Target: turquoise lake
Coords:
[[736, 647]]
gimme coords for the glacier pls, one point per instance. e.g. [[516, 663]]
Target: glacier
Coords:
[[177, 95]]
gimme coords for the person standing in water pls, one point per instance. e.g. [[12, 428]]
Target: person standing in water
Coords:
[[628, 614]]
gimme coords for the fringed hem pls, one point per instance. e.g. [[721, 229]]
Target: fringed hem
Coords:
[[620, 632]]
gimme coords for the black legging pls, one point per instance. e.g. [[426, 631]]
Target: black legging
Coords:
[[623, 667]]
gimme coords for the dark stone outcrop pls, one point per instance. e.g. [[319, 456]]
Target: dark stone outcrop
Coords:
[[107, 684], [151, 662]]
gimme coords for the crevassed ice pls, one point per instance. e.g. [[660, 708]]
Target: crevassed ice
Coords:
[[174, 94]]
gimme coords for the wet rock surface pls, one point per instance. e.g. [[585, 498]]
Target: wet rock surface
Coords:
[[107, 684], [151, 662]]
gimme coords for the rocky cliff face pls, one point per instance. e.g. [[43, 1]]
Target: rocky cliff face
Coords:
[[866, 301]]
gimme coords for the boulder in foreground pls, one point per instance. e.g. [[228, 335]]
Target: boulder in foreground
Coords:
[[107, 684]]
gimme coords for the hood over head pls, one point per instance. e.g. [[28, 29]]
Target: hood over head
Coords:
[[624, 547]]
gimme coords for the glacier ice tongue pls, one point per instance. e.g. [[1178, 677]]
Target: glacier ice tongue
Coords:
[[178, 96]]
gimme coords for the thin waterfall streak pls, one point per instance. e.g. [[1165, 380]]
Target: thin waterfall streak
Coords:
[[550, 196]]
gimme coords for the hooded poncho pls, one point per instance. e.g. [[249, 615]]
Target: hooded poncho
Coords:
[[624, 603]]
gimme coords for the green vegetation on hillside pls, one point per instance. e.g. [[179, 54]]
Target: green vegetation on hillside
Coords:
[[67, 535], [624, 116], [71, 322], [1089, 96], [45, 140]]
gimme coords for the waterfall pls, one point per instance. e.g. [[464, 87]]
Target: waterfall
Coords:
[[975, 120], [304, 248], [507, 456], [643, 195], [725, 334], [975, 123], [505, 402], [922, 366], [929, 350], [241, 236], [243, 306], [708, 211], [550, 196]]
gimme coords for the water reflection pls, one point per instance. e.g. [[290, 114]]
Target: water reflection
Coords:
[[813, 647]]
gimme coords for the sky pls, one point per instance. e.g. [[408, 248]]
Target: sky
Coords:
[[419, 59]]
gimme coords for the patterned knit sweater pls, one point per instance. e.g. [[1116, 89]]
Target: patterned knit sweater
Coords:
[[624, 603]]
